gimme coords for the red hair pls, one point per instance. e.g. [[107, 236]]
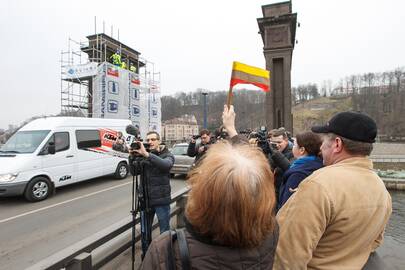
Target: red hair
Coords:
[[232, 196]]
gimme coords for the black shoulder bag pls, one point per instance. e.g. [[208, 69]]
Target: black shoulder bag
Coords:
[[180, 236]]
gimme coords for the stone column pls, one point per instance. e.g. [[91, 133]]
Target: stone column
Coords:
[[277, 28]]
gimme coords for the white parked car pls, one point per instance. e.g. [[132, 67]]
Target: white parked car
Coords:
[[56, 151], [182, 162]]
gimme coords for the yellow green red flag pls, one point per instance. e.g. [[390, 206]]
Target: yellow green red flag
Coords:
[[242, 73]]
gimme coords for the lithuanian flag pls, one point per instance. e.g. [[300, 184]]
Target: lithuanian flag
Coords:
[[242, 73]]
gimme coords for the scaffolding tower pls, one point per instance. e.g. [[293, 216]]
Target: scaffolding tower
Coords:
[[79, 64]]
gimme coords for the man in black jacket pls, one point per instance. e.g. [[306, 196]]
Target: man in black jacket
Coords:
[[156, 170], [280, 139], [198, 151]]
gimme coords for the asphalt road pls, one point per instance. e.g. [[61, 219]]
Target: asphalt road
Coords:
[[30, 232]]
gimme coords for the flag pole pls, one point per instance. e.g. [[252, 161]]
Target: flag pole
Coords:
[[229, 99]]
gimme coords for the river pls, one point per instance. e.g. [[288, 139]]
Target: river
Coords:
[[393, 248]]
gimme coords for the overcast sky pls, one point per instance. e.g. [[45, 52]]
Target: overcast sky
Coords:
[[192, 43]]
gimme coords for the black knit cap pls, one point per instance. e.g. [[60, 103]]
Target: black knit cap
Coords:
[[351, 125]]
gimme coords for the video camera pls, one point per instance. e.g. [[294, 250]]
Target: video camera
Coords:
[[221, 133], [195, 137], [262, 141], [135, 145]]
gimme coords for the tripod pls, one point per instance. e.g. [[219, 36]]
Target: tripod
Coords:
[[140, 203]]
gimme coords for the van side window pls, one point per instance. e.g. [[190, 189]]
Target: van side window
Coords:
[[61, 141], [88, 138]]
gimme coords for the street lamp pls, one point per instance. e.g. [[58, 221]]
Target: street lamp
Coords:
[[205, 93]]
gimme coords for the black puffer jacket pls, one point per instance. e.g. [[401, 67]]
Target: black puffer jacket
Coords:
[[157, 175]]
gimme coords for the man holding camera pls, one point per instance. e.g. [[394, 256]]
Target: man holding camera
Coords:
[[279, 141], [156, 194], [199, 151], [279, 138]]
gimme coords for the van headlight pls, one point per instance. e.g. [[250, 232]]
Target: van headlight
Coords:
[[8, 177]]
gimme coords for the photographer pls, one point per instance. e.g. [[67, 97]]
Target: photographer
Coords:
[[198, 151], [156, 164], [280, 139], [280, 156]]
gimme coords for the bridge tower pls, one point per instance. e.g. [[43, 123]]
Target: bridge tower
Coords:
[[277, 28]]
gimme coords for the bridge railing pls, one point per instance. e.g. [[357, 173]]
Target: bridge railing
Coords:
[[89, 252]]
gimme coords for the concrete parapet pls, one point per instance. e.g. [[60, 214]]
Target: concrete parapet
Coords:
[[394, 184]]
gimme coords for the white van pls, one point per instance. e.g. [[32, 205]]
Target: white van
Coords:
[[56, 151]]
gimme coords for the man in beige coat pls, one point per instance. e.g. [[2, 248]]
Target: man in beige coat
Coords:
[[337, 217]]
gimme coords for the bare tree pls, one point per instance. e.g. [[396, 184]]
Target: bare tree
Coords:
[[353, 81], [398, 73], [324, 88]]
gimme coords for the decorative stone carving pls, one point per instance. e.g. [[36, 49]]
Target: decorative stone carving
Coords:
[[277, 36]]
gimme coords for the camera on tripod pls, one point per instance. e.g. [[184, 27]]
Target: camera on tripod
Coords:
[[140, 193], [136, 145]]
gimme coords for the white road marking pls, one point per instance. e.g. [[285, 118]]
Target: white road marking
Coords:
[[68, 201]]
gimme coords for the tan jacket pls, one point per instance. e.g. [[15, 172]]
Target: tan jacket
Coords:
[[335, 219]]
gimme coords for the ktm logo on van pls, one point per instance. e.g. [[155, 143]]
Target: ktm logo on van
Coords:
[[109, 137], [65, 178]]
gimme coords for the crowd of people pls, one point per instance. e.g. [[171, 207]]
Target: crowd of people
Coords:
[[308, 202]]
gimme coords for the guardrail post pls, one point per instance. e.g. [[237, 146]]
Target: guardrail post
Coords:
[[181, 203], [80, 262]]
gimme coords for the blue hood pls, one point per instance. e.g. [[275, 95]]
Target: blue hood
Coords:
[[298, 171], [304, 165]]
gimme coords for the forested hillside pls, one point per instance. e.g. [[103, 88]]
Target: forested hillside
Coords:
[[381, 95]]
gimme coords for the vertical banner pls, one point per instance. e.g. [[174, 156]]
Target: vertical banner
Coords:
[[99, 92], [154, 107], [135, 107]]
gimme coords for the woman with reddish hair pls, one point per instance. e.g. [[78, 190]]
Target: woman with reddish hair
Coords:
[[230, 221]]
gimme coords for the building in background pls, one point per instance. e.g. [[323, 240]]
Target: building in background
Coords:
[[179, 129]]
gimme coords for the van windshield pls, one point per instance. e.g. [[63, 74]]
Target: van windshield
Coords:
[[24, 142]]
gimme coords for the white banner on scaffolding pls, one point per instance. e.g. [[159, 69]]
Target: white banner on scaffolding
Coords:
[[80, 71], [121, 94]]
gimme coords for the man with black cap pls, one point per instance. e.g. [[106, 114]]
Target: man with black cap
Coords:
[[337, 217]]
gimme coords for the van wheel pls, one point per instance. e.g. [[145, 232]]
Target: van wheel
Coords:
[[122, 171], [38, 189]]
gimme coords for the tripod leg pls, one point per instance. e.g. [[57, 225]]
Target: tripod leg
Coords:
[[133, 212], [143, 233], [151, 215], [146, 229], [133, 247]]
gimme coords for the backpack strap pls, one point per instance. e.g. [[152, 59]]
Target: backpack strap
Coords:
[[170, 254], [184, 253], [179, 235]]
